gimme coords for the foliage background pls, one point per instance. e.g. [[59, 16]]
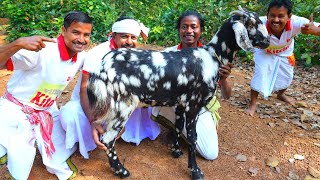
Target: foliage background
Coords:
[[45, 17]]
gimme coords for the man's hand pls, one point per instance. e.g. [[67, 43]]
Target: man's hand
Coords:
[[97, 130], [225, 71], [34, 43], [310, 28]]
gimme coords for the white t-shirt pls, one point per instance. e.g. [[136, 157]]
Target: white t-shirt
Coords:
[[285, 45], [40, 77], [92, 61]]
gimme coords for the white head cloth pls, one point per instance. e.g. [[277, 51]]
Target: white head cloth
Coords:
[[130, 26]]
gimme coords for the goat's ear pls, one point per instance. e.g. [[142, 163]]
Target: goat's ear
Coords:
[[242, 37]]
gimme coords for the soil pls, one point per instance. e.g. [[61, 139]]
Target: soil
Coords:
[[246, 142]]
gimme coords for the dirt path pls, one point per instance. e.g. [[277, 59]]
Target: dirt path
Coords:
[[257, 138]]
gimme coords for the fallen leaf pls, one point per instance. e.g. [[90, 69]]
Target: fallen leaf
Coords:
[[272, 161], [308, 177], [314, 172]]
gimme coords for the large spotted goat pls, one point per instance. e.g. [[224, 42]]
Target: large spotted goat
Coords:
[[187, 79]]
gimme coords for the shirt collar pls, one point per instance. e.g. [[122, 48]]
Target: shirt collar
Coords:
[[113, 45], [198, 45], [64, 55]]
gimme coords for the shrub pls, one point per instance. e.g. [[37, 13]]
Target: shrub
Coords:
[[44, 17]]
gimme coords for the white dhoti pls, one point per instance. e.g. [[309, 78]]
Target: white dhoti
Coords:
[[272, 73], [17, 140], [206, 128], [77, 127]]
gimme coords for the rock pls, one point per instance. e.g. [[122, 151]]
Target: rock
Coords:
[[241, 158], [272, 125], [298, 157], [253, 171], [272, 161], [291, 160], [293, 176]]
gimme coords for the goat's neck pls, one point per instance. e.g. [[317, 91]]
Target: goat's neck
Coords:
[[223, 45]]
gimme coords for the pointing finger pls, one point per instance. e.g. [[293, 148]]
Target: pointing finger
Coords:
[[311, 17]]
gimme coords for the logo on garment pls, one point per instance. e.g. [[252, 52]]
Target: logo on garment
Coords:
[[46, 94], [276, 49]]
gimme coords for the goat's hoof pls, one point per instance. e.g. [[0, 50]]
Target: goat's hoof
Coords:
[[122, 173], [197, 175], [177, 153]]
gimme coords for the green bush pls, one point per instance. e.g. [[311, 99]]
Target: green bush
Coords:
[[44, 17]]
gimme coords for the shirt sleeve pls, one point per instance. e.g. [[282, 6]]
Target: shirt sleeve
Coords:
[[25, 59]]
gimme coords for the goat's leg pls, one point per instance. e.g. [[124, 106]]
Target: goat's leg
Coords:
[[108, 140], [179, 124], [192, 139]]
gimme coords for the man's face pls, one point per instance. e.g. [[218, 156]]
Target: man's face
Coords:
[[277, 19], [77, 37], [190, 31], [125, 40]]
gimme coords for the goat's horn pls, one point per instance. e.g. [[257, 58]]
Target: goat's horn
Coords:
[[240, 8]]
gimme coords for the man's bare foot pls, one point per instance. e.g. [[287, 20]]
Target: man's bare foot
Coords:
[[286, 99], [252, 108]]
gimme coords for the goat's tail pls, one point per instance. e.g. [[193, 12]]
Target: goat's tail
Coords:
[[99, 100]]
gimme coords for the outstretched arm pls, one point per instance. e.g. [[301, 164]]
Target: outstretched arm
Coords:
[[84, 97], [310, 28], [224, 72], [32, 43]]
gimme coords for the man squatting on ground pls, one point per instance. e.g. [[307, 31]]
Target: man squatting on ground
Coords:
[[76, 116], [190, 26], [43, 67]]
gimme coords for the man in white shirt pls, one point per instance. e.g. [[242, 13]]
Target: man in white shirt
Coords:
[[43, 67], [76, 116]]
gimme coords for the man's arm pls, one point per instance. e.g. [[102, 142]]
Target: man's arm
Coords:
[[32, 43], [84, 97], [224, 72], [96, 127]]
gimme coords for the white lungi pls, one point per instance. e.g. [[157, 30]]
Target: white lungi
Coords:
[[18, 137], [272, 73], [77, 127], [206, 128]]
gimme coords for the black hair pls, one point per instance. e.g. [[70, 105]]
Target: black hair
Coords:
[[191, 13], [76, 16], [279, 3]]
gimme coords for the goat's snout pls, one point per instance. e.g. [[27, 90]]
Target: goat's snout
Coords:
[[265, 43]]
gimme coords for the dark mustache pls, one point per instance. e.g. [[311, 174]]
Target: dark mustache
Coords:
[[78, 42], [127, 46]]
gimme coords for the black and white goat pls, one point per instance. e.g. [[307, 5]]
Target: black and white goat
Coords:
[[187, 79]]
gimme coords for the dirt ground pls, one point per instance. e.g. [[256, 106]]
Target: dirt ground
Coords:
[[289, 135]]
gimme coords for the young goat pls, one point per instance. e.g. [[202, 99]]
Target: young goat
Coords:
[[186, 79]]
